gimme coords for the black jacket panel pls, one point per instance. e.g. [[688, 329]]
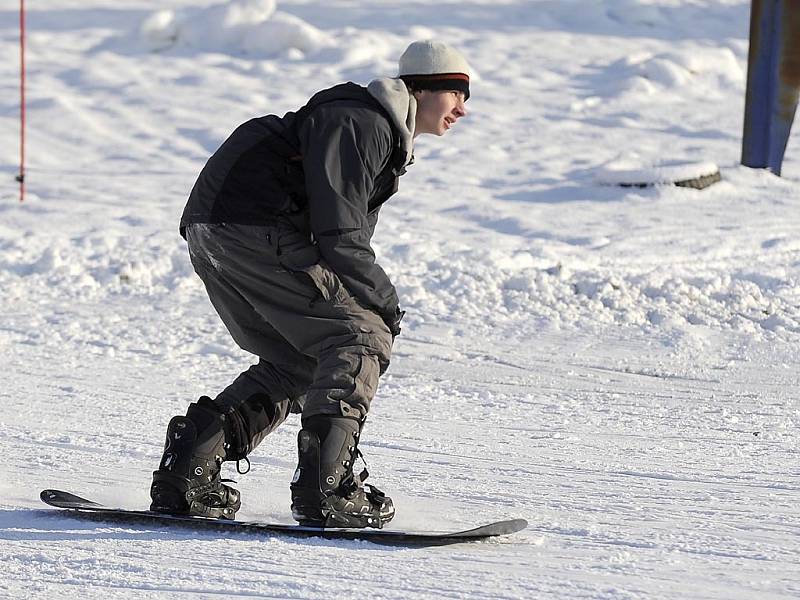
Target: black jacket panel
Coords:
[[248, 180]]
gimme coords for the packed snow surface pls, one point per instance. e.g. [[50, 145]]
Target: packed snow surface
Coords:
[[617, 366]]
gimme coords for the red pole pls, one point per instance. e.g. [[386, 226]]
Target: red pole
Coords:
[[21, 176]]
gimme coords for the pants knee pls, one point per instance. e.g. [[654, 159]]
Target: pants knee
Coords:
[[346, 388]]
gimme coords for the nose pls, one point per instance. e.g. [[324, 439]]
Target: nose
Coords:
[[460, 109]]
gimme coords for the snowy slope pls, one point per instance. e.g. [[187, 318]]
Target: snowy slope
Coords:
[[617, 366]]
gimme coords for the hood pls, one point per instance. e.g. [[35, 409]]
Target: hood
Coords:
[[401, 106]]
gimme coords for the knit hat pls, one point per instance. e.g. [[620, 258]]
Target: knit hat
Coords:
[[430, 65]]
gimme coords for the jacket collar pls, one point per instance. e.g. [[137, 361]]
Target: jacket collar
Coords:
[[394, 96]]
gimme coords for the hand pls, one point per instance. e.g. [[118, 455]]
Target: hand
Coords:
[[392, 321]]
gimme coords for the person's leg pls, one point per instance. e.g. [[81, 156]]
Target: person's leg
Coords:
[[232, 262], [252, 410], [231, 426], [352, 346], [261, 397]]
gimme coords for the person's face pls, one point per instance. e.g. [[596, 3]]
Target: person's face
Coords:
[[437, 111]]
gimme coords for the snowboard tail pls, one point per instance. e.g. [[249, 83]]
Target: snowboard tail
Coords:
[[87, 509]]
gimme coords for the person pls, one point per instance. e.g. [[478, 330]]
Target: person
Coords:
[[278, 227]]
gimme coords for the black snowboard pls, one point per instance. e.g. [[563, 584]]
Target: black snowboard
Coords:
[[80, 507]]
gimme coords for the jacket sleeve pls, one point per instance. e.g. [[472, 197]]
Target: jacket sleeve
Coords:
[[344, 149]]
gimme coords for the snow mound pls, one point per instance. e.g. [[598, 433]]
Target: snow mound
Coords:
[[514, 292], [694, 70], [240, 26], [680, 68]]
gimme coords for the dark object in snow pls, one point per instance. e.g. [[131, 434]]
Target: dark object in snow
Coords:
[[692, 175], [86, 509]]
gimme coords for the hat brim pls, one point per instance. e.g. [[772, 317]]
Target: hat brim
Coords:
[[439, 81]]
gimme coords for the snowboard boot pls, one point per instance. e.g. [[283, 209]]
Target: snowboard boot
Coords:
[[188, 478], [325, 492]]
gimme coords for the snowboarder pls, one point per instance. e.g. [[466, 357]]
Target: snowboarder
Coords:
[[278, 227]]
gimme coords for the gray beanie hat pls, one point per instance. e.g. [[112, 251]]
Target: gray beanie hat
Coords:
[[431, 65]]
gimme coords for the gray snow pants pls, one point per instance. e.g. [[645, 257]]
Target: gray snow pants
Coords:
[[320, 351]]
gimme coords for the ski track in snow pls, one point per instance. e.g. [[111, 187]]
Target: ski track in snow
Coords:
[[617, 366]]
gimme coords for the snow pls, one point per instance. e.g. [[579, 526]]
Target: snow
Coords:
[[616, 365]]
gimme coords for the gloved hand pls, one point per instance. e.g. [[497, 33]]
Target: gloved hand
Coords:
[[392, 321]]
